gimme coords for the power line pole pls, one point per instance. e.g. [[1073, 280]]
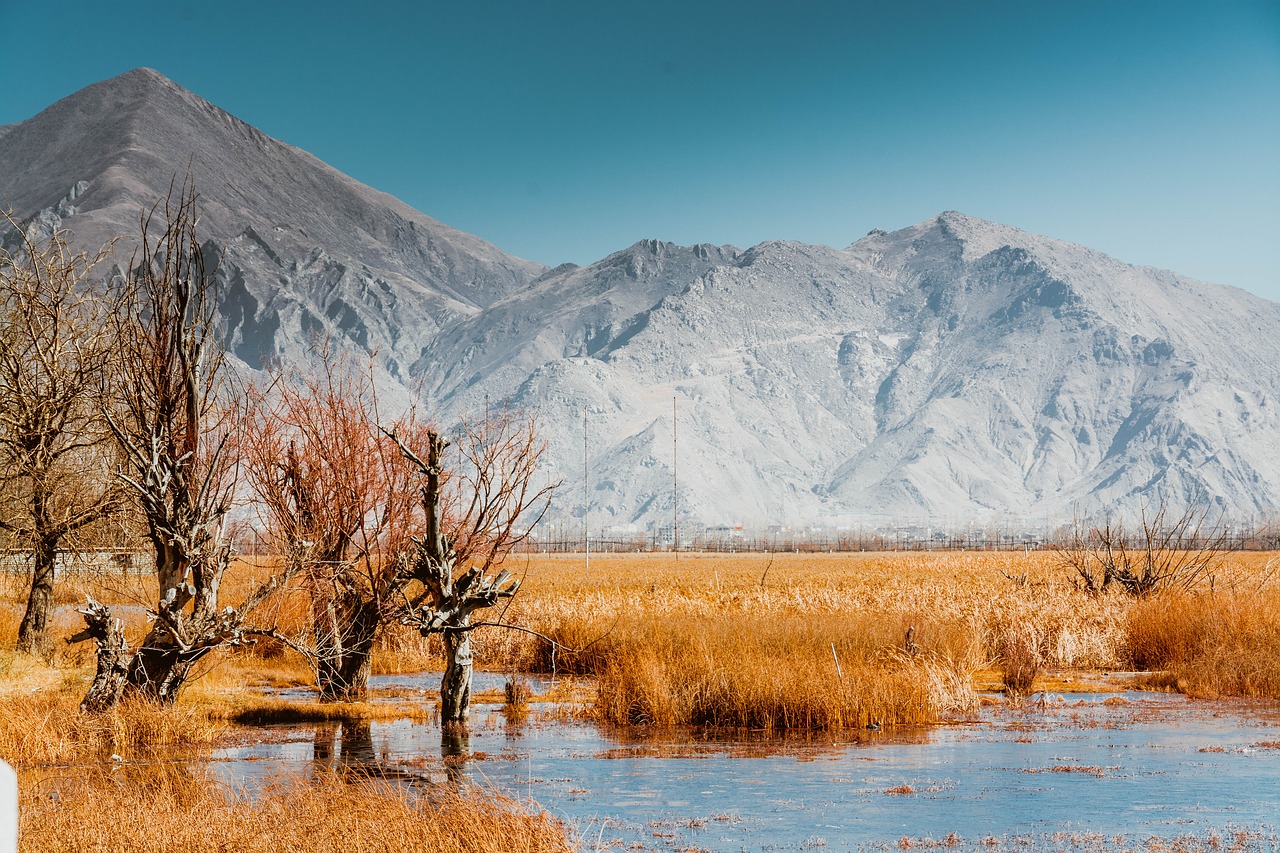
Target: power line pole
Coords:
[[586, 533], [675, 484]]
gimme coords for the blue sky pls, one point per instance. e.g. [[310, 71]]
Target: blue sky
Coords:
[[562, 131]]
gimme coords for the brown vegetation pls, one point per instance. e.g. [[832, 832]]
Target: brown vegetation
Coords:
[[691, 640], [44, 727], [1225, 643], [177, 807]]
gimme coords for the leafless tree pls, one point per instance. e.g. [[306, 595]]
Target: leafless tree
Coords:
[[473, 519], [1167, 550], [177, 437], [55, 343], [335, 495], [344, 499]]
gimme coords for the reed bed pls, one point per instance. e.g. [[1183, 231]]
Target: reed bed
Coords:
[[1001, 617], [46, 727], [1221, 644], [773, 673], [966, 595], [179, 807], [782, 641]]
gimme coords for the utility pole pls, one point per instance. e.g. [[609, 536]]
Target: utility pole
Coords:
[[675, 484], [586, 532]]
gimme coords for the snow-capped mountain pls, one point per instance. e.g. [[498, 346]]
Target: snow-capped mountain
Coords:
[[954, 370]]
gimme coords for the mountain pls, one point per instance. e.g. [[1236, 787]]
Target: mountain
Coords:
[[301, 247], [953, 371]]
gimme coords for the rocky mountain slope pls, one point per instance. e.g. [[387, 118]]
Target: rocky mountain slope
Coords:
[[953, 371], [301, 247]]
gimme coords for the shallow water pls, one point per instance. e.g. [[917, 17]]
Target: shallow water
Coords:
[[1132, 764]]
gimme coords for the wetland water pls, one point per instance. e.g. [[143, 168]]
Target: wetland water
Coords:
[[1097, 765]]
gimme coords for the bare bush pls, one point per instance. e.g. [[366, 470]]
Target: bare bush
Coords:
[[1167, 550]]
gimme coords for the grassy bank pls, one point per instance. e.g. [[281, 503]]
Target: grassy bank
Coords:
[[178, 807], [755, 639]]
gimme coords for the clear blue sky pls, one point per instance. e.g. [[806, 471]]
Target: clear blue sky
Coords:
[[562, 131]]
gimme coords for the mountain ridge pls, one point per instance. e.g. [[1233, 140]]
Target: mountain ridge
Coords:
[[315, 249], [953, 370]]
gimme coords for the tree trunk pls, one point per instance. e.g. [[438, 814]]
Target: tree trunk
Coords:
[[455, 687], [342, 665], [158, 669], [113, 657], [33, 634]]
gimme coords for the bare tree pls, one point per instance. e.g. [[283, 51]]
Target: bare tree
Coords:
[[472, 518], [1167, 550], [335, 495], [177, 438], [342, 500], [55, 342]]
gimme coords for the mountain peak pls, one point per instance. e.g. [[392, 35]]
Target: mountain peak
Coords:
[[968, 237], [138, 78]]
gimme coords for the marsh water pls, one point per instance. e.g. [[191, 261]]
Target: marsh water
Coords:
[[1057, 768]]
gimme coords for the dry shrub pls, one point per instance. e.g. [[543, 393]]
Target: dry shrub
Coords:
[[48, 727], [179, 807], [1221, 644], [1019, 655], [516, 694]]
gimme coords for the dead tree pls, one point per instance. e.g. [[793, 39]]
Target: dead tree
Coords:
[[473, 518], [55, 341], [177, 442], [334, 495], [1167, 550], [114, 656]]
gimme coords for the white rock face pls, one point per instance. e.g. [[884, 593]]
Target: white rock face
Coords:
[[952, 371]]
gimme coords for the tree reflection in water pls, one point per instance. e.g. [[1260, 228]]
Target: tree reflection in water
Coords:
[[347, 748], [455, 750]]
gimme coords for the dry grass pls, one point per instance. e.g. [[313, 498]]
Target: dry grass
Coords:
[[779, 672], [694, 637], [746, 639], [1221, 644], [1019, 653], [263, 711], [178, 807], [46, 727], [950, 599]]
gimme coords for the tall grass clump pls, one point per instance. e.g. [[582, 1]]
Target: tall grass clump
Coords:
[[1210, 644], [181, 807], [47, 727], [783, 672], [1018, 654]]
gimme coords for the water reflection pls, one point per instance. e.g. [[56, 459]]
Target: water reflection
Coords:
[[455, 752], [347, 748], [1118, 765]]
